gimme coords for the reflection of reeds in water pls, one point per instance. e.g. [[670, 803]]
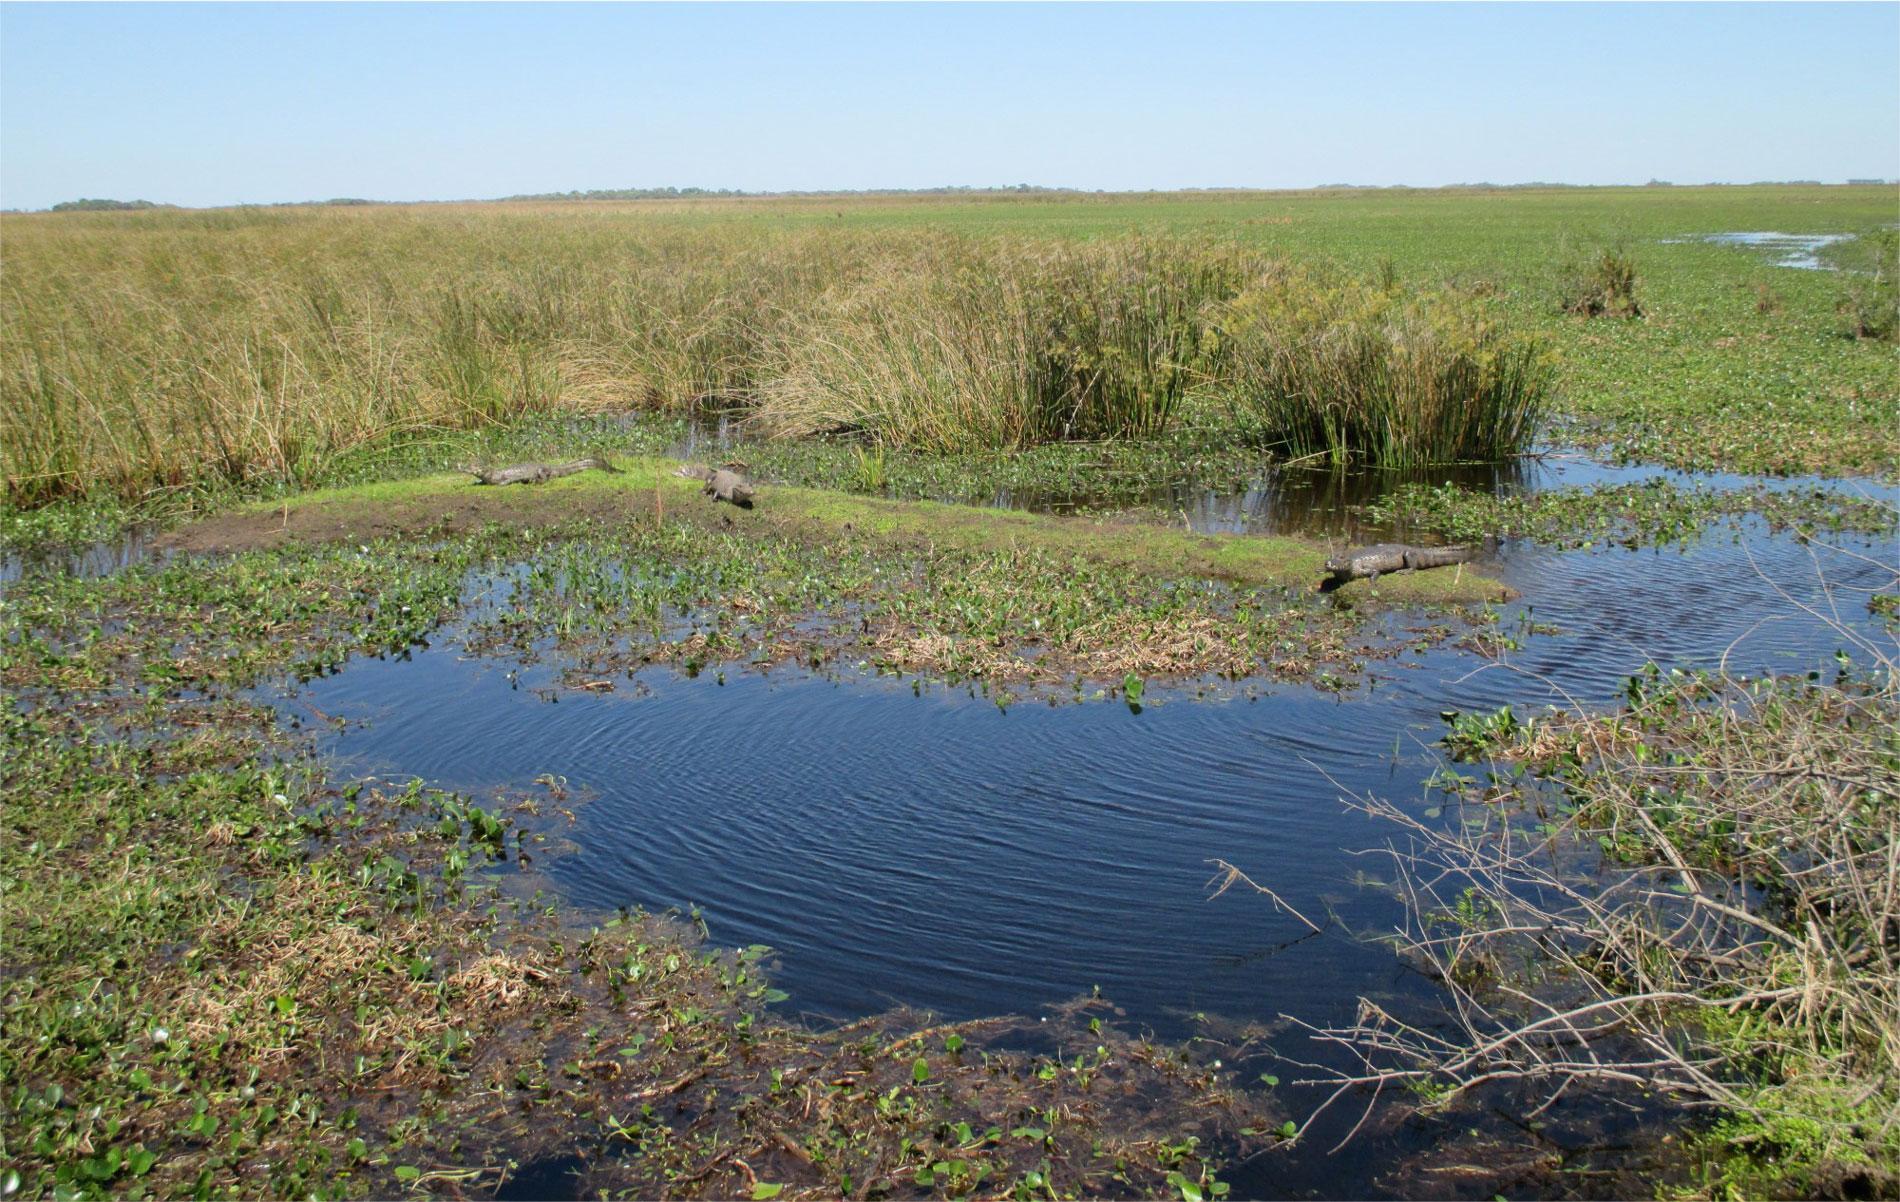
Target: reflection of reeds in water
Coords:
[[152, 351]]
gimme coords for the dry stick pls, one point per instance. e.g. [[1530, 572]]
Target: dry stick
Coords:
[[791, 1146], [671, 1087], [1229, 874], [1669, 851]]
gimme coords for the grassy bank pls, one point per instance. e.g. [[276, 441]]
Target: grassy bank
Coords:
[[1693, 897], [649, 491]]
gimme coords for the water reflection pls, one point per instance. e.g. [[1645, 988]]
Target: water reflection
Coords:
[[136, 545], [1799, 251]]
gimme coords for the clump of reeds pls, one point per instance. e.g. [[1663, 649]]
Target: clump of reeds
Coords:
[[140, 354], [1870, 297], [1599, 283], [1352, 371], [151, 352], [1005, 346]]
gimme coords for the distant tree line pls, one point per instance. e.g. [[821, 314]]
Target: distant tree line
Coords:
[[92, 205], [692, 193]]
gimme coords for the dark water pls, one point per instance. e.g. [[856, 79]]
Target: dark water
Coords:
[[1318, 502], [1323, 503], [939, 852]]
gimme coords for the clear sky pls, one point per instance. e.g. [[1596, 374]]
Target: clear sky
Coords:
[[229, 103]]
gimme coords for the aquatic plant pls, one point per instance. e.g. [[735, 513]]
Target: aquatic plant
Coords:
[[1599, 282], [318, 985], [1004, 346], [1645, 513], [1338, 369], [1870, 293]]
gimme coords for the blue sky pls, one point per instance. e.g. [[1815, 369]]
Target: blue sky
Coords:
[[222, 104]]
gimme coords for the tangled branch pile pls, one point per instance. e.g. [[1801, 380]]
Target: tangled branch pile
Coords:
[[1698, 895]]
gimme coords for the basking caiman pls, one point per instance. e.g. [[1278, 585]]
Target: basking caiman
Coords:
[[722, 484], [1367, 563], [536, 473]]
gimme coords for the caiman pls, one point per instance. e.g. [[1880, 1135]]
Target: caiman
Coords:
[[722, 484], [537, 473], [1368, 563]]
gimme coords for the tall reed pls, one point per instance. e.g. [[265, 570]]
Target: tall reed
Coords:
[[1005, 346], [140, 354], [1352, 371], [152, 351]]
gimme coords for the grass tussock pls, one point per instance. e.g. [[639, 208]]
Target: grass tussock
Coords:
[[1347, 370], [1599, 283], [143, 353], [1870, 297]]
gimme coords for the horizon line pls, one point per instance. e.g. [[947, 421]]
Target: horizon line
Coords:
[[694, 192]]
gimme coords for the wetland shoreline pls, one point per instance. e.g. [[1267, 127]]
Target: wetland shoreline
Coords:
[[137, 720], [336, 804]]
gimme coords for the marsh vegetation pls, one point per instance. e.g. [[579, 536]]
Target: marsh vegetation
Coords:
[[343, 821], [170, 350]]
